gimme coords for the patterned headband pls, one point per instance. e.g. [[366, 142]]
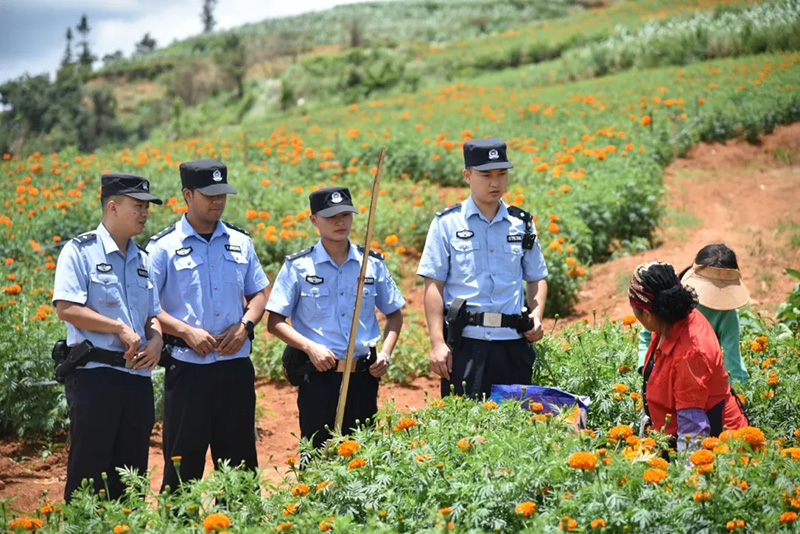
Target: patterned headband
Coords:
[[639, 297]]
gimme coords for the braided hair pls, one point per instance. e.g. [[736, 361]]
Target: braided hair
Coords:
[[655, 287]]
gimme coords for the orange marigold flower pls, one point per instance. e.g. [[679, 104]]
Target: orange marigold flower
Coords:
[[216, 522], [356, 463], [659, 463], [701, 457], [14, 289], [701, 496], [464, 444], [489, 405], [347, 448], [792, 452], [582, 460], [654, 476], [445, 511], [300, 490], [322, 485], [567, 524], [628, 320], [283, 527], [405, 423], [711, 443], [391, 239], [646, 120], [703, 469], [251, 214], [525, 509], [326, 524], [788, 517], [536, 407], [290, 509], [120, 529], [598, 523], [291, 460], [620, 432], [620, 388], [797, 432], [553, 228], [751, 435]]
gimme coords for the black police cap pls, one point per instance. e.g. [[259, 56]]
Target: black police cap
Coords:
[[132, 185], [208, 176], [330, 201], [486, 154]]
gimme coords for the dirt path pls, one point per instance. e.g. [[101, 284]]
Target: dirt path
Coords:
[[746, 196]]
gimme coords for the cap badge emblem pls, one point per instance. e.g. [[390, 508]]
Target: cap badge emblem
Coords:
[[493, 154], [144, 186], [217, 176], [336, 197]]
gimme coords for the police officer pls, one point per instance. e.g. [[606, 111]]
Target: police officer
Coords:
[[316, 288], [481, 251], [211, 286], [103, 291]]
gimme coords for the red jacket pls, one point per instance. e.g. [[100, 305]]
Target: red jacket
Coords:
[[689, 373]]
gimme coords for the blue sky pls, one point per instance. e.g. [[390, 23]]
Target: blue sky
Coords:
[[32, 32]]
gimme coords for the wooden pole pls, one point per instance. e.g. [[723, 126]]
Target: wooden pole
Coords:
[[348, 365]]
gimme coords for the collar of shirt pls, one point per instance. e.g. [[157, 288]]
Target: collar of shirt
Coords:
[[673, 336], [321, 255], [110, 246], [470, 209], [187, 230]]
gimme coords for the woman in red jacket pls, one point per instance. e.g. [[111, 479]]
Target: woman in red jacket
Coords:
[[684, 374]]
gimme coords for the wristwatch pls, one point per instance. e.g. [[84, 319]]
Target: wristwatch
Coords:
[[248, 325]]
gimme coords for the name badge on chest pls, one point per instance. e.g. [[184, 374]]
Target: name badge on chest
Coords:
[[142, 273], [233, 248], [516, 238]]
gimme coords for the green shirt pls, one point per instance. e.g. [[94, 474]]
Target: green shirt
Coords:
[[726, 326]]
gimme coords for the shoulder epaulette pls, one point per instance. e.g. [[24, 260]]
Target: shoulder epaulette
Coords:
[[163, 232], [85, 238], [448, 209], [521, 214], [142, 249], [299, 254], [371, 252], [232, 227]]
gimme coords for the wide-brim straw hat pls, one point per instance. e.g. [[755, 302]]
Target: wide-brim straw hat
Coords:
[[717, 288]]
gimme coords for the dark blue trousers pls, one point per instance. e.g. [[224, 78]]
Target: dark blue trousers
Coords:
[[482, 363], [111, 417], [318, 398]]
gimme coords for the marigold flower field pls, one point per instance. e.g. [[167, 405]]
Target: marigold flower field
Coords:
[[588, 157]]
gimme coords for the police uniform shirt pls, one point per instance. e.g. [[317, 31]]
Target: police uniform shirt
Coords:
[[481, 261], [319, 297], [204, 283], [92, 271]]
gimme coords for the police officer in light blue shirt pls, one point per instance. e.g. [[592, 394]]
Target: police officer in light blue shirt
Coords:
[[316, 288], [481, 251], [104, 292], [211, 286]]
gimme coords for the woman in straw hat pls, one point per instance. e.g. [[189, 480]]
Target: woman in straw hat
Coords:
[[716, 279], [686, 391]]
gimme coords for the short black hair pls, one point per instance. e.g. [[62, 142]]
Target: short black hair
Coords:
[[715, 255]]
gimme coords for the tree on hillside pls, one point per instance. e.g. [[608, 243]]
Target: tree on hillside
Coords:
[[232, 60], [110, 59], [85, 58], [145, 46], [207, 15], [67, 59]]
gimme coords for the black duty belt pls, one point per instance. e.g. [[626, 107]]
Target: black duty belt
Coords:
[[493, 319], [108, 357]]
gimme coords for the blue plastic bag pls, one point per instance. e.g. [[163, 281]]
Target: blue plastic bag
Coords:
[[552, 400]]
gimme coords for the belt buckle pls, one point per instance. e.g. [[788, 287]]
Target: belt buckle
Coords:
[[493, 320]]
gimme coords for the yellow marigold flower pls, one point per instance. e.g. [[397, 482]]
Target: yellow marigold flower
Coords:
[[347, 448], [620, 388], [582, 460], [464, 444], [598, 523], [356, 463], [405, 423], [216, 522], [525, 508], [701, 457], [490, 405], [654, 476], [300, 490]]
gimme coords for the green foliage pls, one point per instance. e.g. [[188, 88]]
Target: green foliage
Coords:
[[789, 311]]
